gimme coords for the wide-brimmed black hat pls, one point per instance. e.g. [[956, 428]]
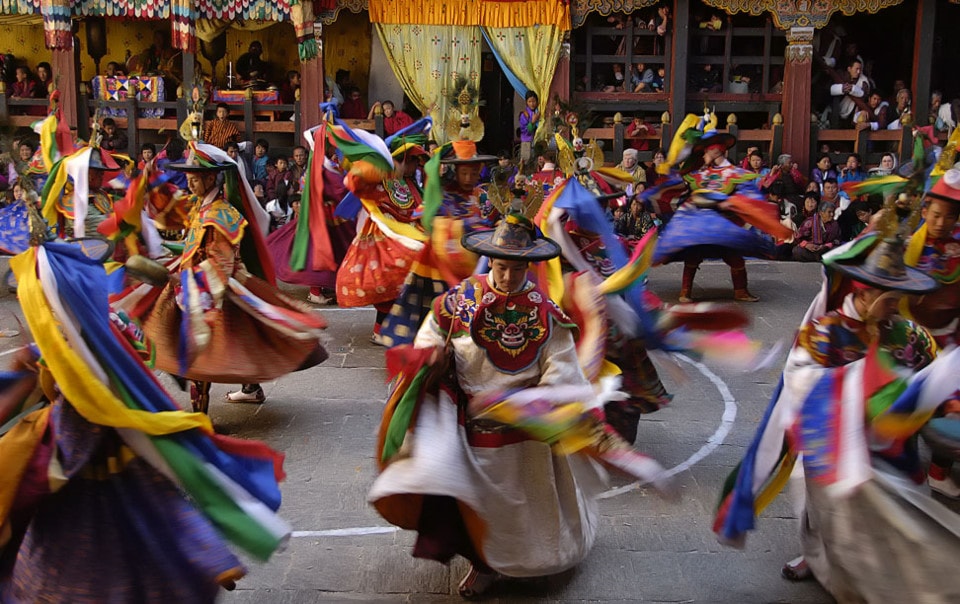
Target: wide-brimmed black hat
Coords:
[[882, 266], [514, 238]]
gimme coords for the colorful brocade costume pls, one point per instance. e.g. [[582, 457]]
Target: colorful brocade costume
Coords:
[[111, 493], [441, 263], [383, 252], [940, 258], [849, 404], [476, 487], [219, 323]]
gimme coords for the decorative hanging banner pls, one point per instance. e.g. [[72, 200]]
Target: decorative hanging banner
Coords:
[[134, 9], [184, 19], [301, 13], [488, 13], [798, 13], [57, 26]]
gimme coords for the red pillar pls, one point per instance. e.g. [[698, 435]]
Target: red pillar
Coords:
[[560, 86], [796, 95], [310, 44], [65, 67]]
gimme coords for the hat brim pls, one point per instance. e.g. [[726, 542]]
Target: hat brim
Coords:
[[476, 159], [940, 197], [723, 139], [481, 243], [914, 282]]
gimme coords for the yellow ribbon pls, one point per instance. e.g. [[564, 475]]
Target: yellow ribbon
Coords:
[[90, 397], [911, 256]]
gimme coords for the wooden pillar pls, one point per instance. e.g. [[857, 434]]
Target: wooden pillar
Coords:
[[66, 71], [560, 87], [311, 73], [923, 61], [796, 95], [678, 60]]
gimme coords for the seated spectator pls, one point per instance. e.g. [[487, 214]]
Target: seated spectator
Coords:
[[259, 163], [549, 174], [642, 78], [946, 118], [811, 201], [877, 113], [44, 79], [353, 107], [220, 130], [793, 219], [113, 138], [393, 120], [659, 156], [299, 164], [817, 235], [250, 67], [823, 170], [745, 162], [243, 164], [831, 193], [634, 224], [849, 95], [289, 88], [503, 173], [851, 172], [660, 24], [631, 165], [113, 70], [280, 179], [901, 110], [855, 219], [25, 151], [888, 163], [147, 152], [25, 86], [756, 164], [705, 79], [639, 128]]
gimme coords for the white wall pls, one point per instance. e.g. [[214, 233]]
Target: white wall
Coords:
[[383, 83]]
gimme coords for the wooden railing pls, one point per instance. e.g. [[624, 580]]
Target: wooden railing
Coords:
[[174, 113], [869, 144], [769, 140]]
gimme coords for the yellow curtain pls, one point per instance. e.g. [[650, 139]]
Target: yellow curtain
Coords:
[[428, 60], [531, 53], [491, 13]]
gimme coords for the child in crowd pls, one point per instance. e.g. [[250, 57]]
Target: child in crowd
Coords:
[[259, 166]]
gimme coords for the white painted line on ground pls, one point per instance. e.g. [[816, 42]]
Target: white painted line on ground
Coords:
[[348, 532], [715, 440], [6, 352]]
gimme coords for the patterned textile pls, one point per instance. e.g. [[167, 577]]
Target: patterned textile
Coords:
[[429, 60], [219, 132], [378, 261], [219, 215], [14, 228], [149, 89], [692, 227], [237, 97], [150, 519], [510, 329]]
